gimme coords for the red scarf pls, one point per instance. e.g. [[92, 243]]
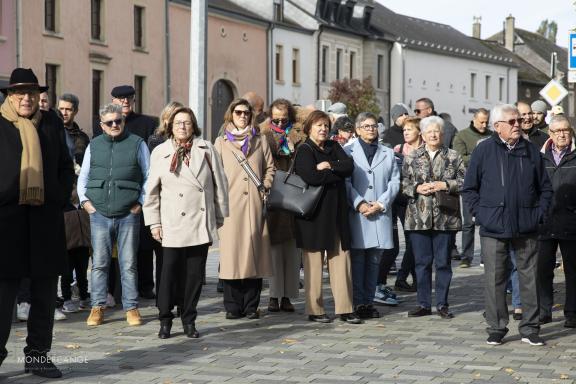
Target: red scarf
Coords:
[[182, 154]]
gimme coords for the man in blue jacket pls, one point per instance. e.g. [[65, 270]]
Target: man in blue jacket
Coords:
[[508, 192]]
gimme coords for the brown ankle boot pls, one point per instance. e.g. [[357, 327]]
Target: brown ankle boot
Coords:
[[273, 305], [286, 305]]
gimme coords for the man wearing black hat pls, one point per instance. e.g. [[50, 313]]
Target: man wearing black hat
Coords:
[[144, 127], [37, 176]]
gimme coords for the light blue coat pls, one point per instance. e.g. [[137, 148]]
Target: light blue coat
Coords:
[[380, 182]]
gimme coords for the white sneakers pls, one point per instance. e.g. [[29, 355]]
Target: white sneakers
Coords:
[[22, 311], [59, 315], [71, 306]]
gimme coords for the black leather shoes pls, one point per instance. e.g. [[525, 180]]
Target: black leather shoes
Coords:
[[320, 318], [41, 365], [403, 286], [570, 322], [419, 312], [190, 331], [233, 315], [371, 312], [445, 313], [253, 315], [351, 318], [164, 332]]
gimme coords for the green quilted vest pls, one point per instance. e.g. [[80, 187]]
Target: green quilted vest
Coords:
[[115, 179]]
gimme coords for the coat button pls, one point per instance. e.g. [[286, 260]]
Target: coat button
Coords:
[[245, 179], [202, 209], [369, 172], [180, 195], [183, 213], [369, 187], [245, 193], [200, 190]]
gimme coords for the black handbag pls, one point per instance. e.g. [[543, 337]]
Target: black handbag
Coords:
[[292, 194], [447, 203]]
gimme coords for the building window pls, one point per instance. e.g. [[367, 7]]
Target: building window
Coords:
[[295, 66], [96, 92], [487, 88], [139, 27], [52, 83], [379, 65], [50, 15], [338, 63], [139, 95], [278, 68], [324, 63], [352, 64], [501, 89], [278, 10], [472, 85], [96, 19]]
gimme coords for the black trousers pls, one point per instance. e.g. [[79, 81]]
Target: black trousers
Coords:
[[145, 266], [24, 291], [40, 319], [181, 268], [546, 265], [408, 266], [77, 261], [242, 296]]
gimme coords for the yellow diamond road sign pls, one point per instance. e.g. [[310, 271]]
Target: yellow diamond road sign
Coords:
[[553, 92]]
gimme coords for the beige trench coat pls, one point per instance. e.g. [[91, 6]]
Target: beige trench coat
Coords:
[[244, 238], [191, 203]]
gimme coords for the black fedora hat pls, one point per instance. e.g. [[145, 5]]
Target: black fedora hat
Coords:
[[23, 77]]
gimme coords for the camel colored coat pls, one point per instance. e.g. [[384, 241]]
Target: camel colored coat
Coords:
[[191, 203], [244, 238]]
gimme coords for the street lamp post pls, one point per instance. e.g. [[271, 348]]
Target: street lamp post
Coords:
[[197, 90]]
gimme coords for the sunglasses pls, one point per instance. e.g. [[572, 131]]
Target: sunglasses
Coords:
[[280, 121], [417, 111], [111, 123], [512, 121], [240, 113]]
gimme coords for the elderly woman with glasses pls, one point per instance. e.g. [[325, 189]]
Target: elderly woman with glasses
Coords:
[[283, 139], [186, 202], [432, 176], [371, 191], [244, 239]]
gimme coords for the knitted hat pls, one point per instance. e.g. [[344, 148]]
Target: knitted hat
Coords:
[[539, 106], [338, 108], [397, 111]]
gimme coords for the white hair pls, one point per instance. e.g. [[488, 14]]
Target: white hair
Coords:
[[431, 120], [499, 110]]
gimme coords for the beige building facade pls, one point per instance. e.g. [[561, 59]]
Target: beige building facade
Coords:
[[87, 47]]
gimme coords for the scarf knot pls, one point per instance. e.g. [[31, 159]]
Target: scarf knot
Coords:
[[181, 155], [240, 137], [282, 137]]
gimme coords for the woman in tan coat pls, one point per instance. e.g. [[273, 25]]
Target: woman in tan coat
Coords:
[[283, 140], [186, 202], [244, 239]]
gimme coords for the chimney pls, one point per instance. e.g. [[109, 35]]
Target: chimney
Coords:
[[509, 33], [367, 17], [476, 27]]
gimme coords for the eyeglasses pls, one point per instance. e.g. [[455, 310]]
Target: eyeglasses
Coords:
[[512, 121], [111, 123], [239, 113], [369, 127], [280, 121], [127, 98], [565, 131], [186, 124]]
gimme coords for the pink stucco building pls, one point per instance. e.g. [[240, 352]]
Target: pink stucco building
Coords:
[[8, 53]]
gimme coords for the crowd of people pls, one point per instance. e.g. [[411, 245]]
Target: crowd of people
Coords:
[[141, 187]]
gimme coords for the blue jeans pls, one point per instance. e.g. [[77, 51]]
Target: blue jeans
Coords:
[[105, 232], [513, 282], [365, 268], [432, 247]]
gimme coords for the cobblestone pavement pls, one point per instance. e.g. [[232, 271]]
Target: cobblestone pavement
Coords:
[[288, 348]]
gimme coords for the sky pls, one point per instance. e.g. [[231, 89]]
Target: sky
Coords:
[[459, 13]]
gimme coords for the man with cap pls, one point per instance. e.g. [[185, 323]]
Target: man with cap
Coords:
[[529, 131], [37, 176], [539, 110], [111, 189], [144, 127], [395, 135], [336, 111]]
